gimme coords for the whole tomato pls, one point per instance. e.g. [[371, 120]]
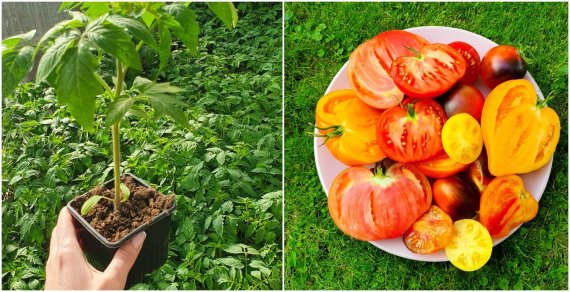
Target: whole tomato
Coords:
[[478, 172], [412, 132], [370, 206], [430, 73], [463, 99], [505, 204], [456, 197], [440, 166], [349, 128], [369, 67], [471, 58], [500, 64], [431, 233]]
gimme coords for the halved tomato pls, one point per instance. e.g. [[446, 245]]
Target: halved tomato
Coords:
[[369, 67], [462, 138], [440, 166], [430, 73], [470, 246], [431, 233], [471, 58]]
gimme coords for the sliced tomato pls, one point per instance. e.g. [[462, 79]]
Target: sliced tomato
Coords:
[[462, 138], [441, 166], [431, 233], [471, 58], [470, 246], [369, 67], [430, 73]]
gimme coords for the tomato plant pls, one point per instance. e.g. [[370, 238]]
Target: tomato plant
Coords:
[[369, 67], [463, 99], [431, 233], [359, 201], [470, 246], [430, 72], [349, 127], [456, 197], [505, 204], [462, 139], [472, 60], [500, 64], [520, 132], [411, 132]]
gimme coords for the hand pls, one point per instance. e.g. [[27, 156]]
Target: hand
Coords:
[[67, 268]]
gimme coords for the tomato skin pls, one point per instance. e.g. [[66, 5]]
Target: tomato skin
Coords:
[[500, 64], [431, 73], [456, 197], [463, 99], [430, 233], [505, 204], [440, 166], [472, 60], [359, 201], [369, 67], [478, 172], [357, 143], [412, 134]]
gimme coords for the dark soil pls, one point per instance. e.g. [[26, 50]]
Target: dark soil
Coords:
[[142, 206]]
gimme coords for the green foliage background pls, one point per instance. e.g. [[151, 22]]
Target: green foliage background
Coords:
[[318, 40], [226, 171]]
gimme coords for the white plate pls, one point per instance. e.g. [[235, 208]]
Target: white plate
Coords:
[[328, 167]]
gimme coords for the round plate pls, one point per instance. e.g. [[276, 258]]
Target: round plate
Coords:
[[328, 167]]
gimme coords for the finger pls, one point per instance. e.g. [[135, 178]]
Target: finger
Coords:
[[53, 240], [66, 235], [125, 257]]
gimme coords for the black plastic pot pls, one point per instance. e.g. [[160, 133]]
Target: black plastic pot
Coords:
[[99, 251]]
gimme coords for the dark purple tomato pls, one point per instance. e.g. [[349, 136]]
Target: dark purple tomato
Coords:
[[463, 99], [500, 64]]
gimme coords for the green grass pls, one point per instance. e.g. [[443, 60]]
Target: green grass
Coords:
[[319, 38]]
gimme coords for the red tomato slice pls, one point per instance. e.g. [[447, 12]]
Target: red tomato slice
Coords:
[[430, 73], [471, 58], [440, 166], [369, 67]]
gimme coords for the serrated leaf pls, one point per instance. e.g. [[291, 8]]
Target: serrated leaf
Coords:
[[221, 158], [66, 24], [135, 28], [125, 192], [189, 29], [233, 249], [118, 108], [137, 111], [225, 11], [13, 41], [159, 95], [116, 42], [90, 204], [231, 262], [95, 9], [163, 45], [52, 57], [257, 264], [15, 66], [77, 86], [256, 274], [207, 222], [68, 6], [218, 224]]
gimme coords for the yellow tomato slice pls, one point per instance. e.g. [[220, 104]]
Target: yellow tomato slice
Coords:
[[462, 138], [470, 246]]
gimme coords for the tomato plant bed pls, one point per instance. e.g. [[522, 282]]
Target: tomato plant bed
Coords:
[[102, 232]]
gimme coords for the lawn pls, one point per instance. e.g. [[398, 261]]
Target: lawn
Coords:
[[226, 171], [319, 38]]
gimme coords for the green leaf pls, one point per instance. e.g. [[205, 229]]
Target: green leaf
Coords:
[[233, 248], [218, 224], [225, 11], [137, 111], [164, 45], [231, 262], [13, 41], [118, 108], [77, 85], [189, 28], [125, 191], [52, 57], [135, 28], [160, 97], [66, 24], [95, 9], [116, 42], [257, 264], [68, 6], [15, 66], [89, 204]]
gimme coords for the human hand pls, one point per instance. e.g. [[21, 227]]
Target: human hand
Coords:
[[67, 268]]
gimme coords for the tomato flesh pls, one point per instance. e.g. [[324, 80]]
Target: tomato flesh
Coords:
[[431, 233], [462, 138], [432, 72], [471, 58], [470, 246]]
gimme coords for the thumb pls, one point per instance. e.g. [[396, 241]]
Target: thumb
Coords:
[[125, 257]]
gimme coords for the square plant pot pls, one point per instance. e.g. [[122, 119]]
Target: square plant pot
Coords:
[[99, 251]]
